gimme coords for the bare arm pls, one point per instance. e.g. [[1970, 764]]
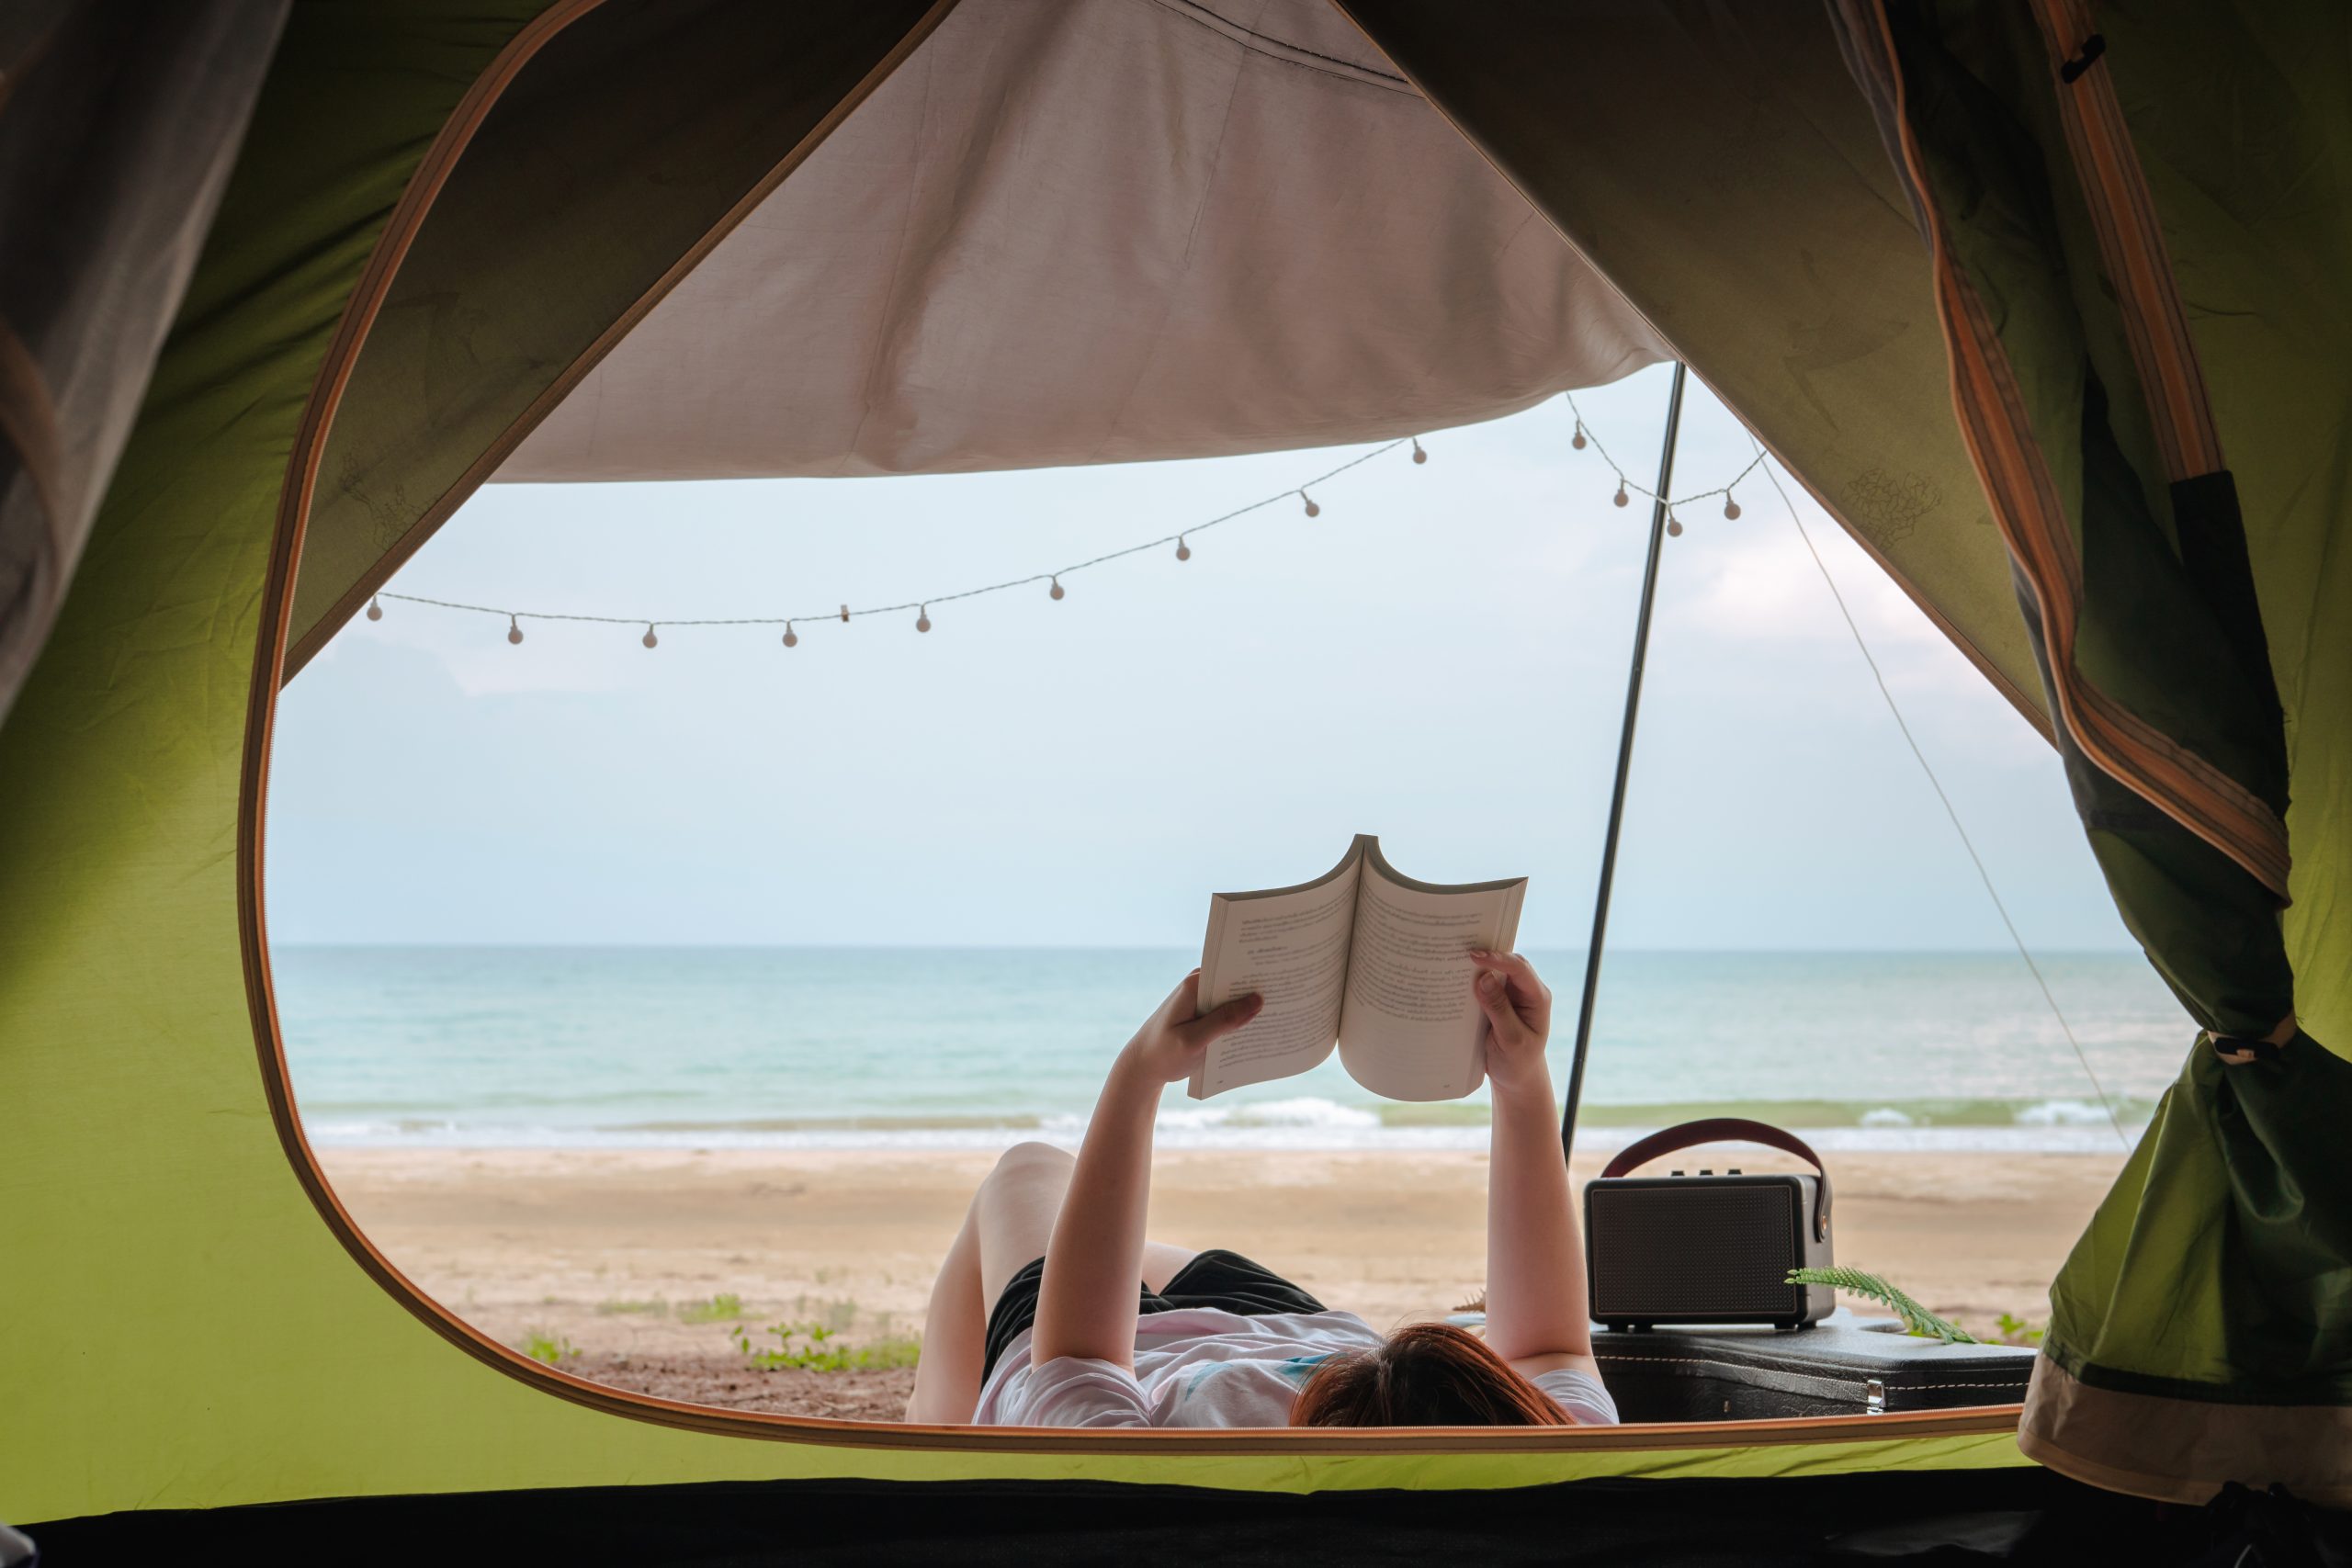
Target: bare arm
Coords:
[[1086, 1303], [1536, 1315]]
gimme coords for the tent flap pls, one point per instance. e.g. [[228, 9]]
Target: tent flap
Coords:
[[117, 127], [2201, 1330]]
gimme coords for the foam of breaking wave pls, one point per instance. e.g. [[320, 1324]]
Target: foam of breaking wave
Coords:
[[1305, 1125], [2062, 1114]]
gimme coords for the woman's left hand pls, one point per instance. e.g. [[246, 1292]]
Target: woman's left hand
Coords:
[[1170, 1043], [1519, 1020]]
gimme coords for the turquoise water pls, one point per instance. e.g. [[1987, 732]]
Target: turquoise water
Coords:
[[831, 1046]]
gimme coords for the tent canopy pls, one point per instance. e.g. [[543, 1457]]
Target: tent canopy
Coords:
[[1056, 234], [1103, 234], [1911, 245], [1127, 231]]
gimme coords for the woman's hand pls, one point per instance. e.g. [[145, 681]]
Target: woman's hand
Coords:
[[1519, 1020], [1170, 1043]]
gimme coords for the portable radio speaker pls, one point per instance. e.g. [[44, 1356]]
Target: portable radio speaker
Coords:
[[1707, 1248]]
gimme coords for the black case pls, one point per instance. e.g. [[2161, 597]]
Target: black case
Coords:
[[1844, 1365]]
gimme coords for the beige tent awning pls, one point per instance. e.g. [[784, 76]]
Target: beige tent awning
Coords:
[[1104, 232]]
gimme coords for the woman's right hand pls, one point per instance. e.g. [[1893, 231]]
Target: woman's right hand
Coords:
[[1171, 1040], [1519, 1020]]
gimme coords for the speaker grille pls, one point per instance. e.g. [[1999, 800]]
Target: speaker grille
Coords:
[[1677, 1251]]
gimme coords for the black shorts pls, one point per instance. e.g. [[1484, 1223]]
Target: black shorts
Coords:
[[1225, 1280]]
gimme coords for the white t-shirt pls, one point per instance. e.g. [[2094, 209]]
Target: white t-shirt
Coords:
[[1200, 1367]]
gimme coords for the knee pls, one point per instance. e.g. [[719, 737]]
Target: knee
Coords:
[[1027, 1164], [1023, 1158], [1022, 1168]]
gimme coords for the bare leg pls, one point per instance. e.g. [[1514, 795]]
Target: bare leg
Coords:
[[1005, 1230], [947, 1374]]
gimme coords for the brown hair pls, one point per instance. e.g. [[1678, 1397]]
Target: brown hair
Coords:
[[1428, 1374]]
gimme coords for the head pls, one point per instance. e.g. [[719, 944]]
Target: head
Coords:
[[1428, 1374]]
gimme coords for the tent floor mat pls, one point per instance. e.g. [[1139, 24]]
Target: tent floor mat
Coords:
[[1938, 1516]]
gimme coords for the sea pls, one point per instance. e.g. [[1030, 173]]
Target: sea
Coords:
[[708, 1048]]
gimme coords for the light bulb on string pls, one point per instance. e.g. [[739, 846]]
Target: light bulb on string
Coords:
[[1622, 497], [1578, 440]]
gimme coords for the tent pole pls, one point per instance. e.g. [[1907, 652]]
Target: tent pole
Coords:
[[1625, 763]]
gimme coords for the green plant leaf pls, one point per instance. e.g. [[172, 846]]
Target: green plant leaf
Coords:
[[1916, 1320]]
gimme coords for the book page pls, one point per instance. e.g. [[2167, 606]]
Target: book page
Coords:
[[1410, 1028], [1290, 945]]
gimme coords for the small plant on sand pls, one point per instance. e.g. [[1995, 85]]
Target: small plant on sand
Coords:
[[817, 1352], [837, 1314], [615, 1308], [553, 1348], [725, 1307], [2016, 1330], [1916, 1320]]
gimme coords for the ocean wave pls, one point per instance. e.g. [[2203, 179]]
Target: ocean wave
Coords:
[[2063, 1113], [2049, 1137], [1306, 1110], [1303, 1121]]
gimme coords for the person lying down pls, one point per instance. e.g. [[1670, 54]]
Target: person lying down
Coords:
[[1037, 1319]]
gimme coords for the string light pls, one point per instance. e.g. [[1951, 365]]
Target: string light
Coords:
[[1626, 489], [1181, 541]]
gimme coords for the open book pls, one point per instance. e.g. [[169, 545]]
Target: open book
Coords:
[[1362, 955]]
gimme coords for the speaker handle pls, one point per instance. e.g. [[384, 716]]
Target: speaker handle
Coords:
[[1726, 1130]]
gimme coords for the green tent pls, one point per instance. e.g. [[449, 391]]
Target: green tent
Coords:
[[2001, 286]]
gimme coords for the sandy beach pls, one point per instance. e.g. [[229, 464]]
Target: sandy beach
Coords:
[[640, 1267]]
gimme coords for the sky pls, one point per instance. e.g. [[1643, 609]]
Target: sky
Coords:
[[1439, 658]]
